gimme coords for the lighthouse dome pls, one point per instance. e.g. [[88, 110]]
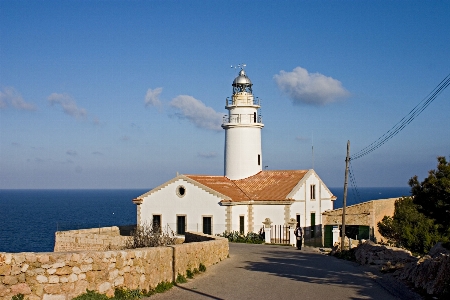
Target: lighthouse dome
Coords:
[[242, 79]]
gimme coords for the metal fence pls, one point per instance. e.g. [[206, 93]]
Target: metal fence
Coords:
[[279, 234]]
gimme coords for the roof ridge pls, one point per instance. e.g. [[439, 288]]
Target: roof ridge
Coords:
[[233, 181]]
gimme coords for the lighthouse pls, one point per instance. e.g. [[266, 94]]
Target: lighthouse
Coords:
[[243, 124]]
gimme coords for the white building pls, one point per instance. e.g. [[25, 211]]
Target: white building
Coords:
[[246, 195]]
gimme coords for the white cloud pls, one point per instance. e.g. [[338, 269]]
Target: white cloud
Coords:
[[152, 97], [68, 105], [9, 96], [197, 112], [310, 88]]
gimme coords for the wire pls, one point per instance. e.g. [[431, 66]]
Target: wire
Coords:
[[355, 190], [415, 112]]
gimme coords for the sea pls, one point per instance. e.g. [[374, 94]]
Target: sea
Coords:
[[30, 218]]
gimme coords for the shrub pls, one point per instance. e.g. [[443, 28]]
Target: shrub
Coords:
[[237, 237], [126, 294], [181, 279], [147, 235], [90, 295], [202, 267], [163, 286], [189, 274], [122, 293], [18, 297], [409, 228]]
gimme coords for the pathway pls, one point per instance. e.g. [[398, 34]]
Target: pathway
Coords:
[[280, 272]]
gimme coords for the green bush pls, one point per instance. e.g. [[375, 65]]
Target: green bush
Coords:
[[122, 293], [237, 237], [181, 279], [90, 295], [202, 267], [163, 286], [409, 228], [18, 297], [126, 294], [189, 274]]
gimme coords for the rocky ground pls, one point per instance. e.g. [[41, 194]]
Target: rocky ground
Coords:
[[429, 274]]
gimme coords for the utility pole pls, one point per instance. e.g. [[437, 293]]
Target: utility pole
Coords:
[[347, 161]]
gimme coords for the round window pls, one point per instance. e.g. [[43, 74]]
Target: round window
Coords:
[[181, 191]]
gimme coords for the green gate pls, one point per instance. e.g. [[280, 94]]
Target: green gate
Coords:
[[328, 237], [363, 233]]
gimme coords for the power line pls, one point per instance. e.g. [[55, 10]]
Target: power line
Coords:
[[355, 190], [416, 111]]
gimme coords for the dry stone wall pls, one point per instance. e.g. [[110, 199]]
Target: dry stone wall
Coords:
[[64, 275], [430, 273], [366, 214], [97, 239]]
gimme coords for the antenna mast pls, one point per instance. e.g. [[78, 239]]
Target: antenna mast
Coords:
[[312, 148]]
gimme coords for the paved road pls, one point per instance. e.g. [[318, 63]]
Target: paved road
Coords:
[[279, 272]]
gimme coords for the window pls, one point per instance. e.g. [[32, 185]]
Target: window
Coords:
[[313, 191], [241, 224], [207, 225], [254, 117], [181, 225], [313, 224], [259, 159], [181, 191], [156, 222], [298, 220]]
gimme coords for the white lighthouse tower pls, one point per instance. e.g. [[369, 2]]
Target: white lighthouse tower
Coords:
[[242, 131]]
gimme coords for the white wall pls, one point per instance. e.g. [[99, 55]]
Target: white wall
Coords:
[[242, 146], [321, 203], [298, 208], [195, 204], [274, 212], [239, 210]]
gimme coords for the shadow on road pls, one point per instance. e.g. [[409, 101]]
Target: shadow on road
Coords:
[[316, 268]]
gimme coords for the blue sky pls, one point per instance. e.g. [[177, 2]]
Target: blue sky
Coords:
[[124, 94]]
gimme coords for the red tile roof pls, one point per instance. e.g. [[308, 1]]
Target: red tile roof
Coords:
[[264, 186]]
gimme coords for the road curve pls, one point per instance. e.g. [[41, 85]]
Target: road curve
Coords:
[[281, 272]]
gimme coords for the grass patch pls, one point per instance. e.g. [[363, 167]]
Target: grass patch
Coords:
[[202, 267], [189, 274], [91, 295], [181, 279], [123, 293], [237, 237]]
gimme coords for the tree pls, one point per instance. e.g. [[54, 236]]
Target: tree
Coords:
[[409, 228], [432, 196]]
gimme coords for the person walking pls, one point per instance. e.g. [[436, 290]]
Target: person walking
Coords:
[[299, 234]]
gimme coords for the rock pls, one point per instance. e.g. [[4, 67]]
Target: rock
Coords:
[[437, 250], [21, 288]]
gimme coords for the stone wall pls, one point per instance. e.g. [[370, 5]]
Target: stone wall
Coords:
[[64, 275], [188, 256], [97, 239], [430, 273], [365, 214]]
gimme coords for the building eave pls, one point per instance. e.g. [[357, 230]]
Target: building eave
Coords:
[[185, 178]]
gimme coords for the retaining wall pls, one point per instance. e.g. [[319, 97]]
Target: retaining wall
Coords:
[[366, 213], [64, 275], [97, 239]]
